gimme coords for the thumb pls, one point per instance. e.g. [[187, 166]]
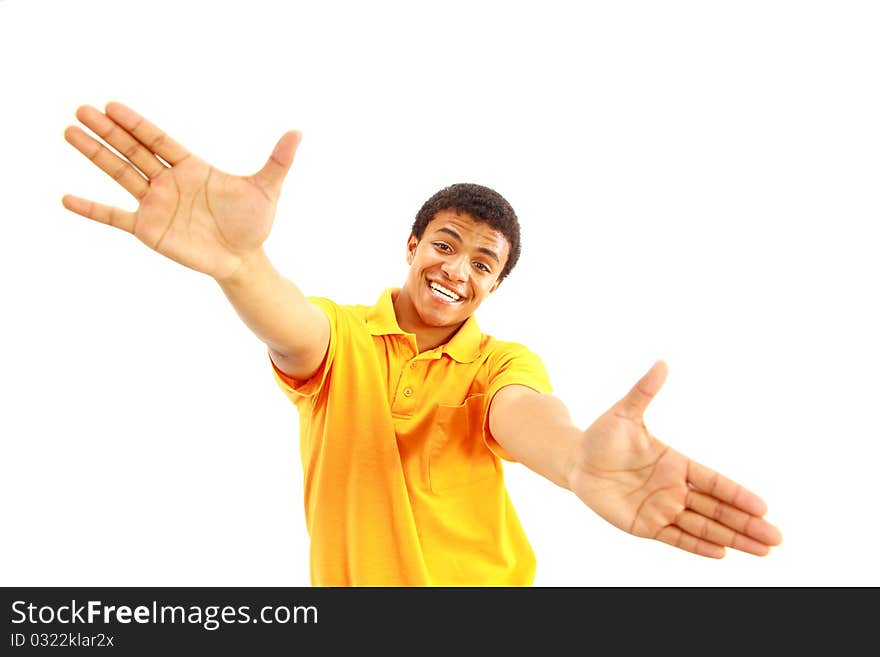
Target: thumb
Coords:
[[635, 402], [273, 172]]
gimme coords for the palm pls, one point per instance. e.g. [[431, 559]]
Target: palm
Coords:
[[644, 487], [637, 481], [203, 218], [189, 211]]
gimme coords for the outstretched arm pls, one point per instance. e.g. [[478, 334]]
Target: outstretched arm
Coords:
[[207, 220], [627, 476]]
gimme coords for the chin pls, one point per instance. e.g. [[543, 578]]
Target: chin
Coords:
[[439, 320], [438, 317]]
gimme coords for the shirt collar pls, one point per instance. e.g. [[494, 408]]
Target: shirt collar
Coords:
[[381, 319], [464, 346]]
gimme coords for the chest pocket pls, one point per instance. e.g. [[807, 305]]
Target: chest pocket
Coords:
[[458, 455]]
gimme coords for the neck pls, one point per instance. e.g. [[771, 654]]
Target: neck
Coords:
[[408, 319]]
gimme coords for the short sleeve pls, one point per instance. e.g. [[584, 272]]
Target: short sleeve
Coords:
[[513, 364], [299, 390]]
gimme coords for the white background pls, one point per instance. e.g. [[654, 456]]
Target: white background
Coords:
[[696, 181]]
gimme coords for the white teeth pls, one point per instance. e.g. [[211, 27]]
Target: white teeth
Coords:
[[449, 293]]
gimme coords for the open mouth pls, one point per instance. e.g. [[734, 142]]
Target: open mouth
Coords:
[[442, 293]]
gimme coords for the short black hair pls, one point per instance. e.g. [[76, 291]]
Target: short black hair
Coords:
[[484, 205]]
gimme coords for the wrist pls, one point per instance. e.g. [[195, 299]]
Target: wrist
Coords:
[[572, 462], [250, 265]]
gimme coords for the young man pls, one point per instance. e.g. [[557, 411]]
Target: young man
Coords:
[[406, 408]]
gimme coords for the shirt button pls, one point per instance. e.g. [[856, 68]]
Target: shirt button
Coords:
[[407, 392], [412, 365]]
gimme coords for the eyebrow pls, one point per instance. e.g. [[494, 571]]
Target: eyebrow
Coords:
[[482, 249]]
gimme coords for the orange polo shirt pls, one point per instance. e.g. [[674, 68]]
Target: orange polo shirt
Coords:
[[403, 483]]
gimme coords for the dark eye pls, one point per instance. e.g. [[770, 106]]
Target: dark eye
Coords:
[[480, 265], [442, 246]]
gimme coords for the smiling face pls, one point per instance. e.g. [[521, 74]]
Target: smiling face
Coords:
[[453, 268]]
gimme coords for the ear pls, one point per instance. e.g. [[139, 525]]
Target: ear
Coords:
[[411, 245]]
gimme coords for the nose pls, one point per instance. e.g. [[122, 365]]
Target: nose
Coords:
[[455, 268]]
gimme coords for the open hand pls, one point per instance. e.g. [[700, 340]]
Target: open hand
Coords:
[[646, 488], [188, 210]]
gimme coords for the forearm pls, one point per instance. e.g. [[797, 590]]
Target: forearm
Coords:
[[277, 311], [537, 430]]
